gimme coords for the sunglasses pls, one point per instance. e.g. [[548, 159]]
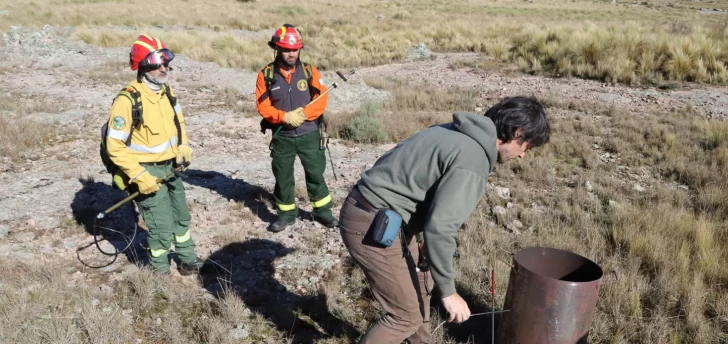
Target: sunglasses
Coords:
[[157, 58]]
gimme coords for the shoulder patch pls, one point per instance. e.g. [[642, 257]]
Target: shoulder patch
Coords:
[[118, 123], [302, 85]]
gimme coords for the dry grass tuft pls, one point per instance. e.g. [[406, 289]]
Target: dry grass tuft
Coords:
[[629, 43], [48, 302], [19, 135], [410, 109]]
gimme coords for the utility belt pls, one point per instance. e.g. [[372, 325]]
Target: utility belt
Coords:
[[159, 163]]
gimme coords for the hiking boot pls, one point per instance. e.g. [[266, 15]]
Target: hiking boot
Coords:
[[186, 269], [327, 221], [280, 225]]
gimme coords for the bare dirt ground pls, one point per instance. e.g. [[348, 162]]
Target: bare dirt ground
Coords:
[[49, 195]]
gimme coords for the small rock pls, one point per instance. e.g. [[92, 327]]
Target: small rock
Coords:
[[596, 146], [106, 289], [31, 223], [420, 51], [158, 321], [380, 17], [498, 210], [239, 333], [247, 313], [95, 302], [515, 226], [638, 188], [4, 230], [510, 205], [503, 193], [588, 186]]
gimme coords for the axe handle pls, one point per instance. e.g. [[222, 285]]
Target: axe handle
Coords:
[[322, 94]]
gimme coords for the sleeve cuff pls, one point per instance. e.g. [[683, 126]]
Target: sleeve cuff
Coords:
[[447, 289]]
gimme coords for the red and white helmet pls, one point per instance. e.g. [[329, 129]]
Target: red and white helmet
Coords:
[[148, 51], [286, 37]]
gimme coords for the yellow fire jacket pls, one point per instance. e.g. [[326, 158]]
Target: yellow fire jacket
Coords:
[[152, 141]]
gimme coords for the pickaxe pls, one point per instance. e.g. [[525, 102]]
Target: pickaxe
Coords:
[[322, 125]]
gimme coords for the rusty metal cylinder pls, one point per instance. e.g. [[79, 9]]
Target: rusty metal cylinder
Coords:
[[551, 297]]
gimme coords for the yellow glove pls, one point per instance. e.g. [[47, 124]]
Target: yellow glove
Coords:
[[147, 183], [294, 118], [184, 154]]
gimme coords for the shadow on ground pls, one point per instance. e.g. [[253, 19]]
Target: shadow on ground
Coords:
[[247, 269], [251, 196], [118, 231]]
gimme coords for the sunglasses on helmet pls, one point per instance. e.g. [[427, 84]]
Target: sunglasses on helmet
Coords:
[[157, 58]]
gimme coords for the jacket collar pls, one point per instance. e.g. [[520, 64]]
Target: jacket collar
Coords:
[[150, 95]]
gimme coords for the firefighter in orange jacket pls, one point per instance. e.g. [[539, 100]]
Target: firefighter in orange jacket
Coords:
[[284, 89], [149, 148]]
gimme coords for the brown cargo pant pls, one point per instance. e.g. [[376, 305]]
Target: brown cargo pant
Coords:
[[402, 290]]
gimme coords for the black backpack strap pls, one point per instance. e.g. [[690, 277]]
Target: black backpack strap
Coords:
[[173, 101], [136, 109], [269, 78]]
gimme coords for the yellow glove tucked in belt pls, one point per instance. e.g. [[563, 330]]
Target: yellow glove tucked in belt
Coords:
[[294, 118], [147, 183], [184, 154]]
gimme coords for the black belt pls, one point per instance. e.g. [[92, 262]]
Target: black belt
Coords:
[[361, 201], [158, 163]]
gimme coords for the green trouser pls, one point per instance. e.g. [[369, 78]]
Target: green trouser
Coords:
[[167, 218], [313, 159]]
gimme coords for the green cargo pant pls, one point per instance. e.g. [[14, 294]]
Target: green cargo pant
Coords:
[[167, 218], [313, 159]]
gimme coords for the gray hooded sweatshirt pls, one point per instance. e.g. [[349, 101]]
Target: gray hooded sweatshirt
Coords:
[[434, 180]]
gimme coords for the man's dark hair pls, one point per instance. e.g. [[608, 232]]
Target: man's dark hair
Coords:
[[524, 113]]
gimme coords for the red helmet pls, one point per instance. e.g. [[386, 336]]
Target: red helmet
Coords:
[[286, 37], [148, 51]]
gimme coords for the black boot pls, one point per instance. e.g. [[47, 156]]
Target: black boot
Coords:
[[194, 267], [327, 221], [281, 224]]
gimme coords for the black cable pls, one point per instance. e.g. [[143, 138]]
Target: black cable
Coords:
[[95, 233]]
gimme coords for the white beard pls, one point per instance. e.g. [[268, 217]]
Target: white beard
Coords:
[[154, 84]]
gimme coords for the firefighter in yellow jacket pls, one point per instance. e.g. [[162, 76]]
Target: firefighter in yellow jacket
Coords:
[[146, 139]]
